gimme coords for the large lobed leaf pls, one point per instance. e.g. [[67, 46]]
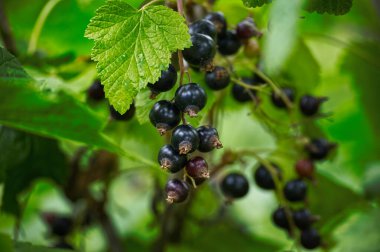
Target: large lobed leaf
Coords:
[[133, 46], [334, 7]]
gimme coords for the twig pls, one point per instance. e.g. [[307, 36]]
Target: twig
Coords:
[[5, 31]]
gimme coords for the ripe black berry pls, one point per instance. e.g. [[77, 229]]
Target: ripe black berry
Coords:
[[164, 116], [295, 190], [247, 29], [190, 98], [218, 78], [280, 219], [302, 219], [197, 168], [263, 177], [277, 99], [176, 191], [229, 44], [170, 159], [235, 185], [185, 139], [305, 168], [165, 82], [208, 139], [310, 239], [203, 26], [202, 52], [319, 148], [128, 115], [218, 19], [59, 225], [242, 94], [309, 105], [95, 91]]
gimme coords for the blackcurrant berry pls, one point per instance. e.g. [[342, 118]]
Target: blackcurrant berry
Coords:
[[295, 190], [229, 44], [203, 26], [197, 167], [164, 116], [185, 139], [190, 98], [165, 82], [235, 185], [177, 191], [280, 219], [263, 177], [128, 115], [247, 29], [305, 168], [277, 99], [303, 219], [319, 148], [251, 48], [310, 238], [59, 225], [202, 52], [218, 78], [309, 105], [218, 19], [197, 181], [208, 139], [242, 94], [170, 159], [96, 92]]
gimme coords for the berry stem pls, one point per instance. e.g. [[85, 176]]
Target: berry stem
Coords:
[[241, 83]]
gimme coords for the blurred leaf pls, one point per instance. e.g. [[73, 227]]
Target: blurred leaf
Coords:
[[334, 7], [6, 243], [28, 247], [255, 3], [135, 3]]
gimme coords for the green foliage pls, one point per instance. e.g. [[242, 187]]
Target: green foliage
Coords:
[[6, 243], [334, 7], [132, 47], [255, 3]]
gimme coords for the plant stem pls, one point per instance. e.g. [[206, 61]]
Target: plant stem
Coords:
[[49, 6], [5, 31], [245, 85]]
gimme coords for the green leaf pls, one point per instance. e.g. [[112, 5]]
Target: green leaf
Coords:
[[28, 247], [6, 243], [282, 33], [333, 7], [256, 3], [132, 47]]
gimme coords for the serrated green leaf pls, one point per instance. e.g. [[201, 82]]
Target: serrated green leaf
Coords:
[[256, 3], [132, 47], [333, 7]]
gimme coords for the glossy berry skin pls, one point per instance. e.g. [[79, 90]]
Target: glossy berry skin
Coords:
[[190, 99], [203, 26], [202, 52], [309, 105], [295, 190], [305, 168], [164, 116], [247, 29], [170, 159], [229, 44], [280, 219], [218, 19], [165, 82], [302, 219], [176, 190], [278, 101], [96, 92], [217, 79], [319, 149], [264, 179], [197, 168], [310, 238], [128, 115], [185, 139], [235, 186], [242, 94], [208, 139]]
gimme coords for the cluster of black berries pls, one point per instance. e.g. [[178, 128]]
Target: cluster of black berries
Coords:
[[60, 226]]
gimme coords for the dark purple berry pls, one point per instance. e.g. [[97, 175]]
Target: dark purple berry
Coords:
[[190, 99], [277, 99], [243, 94], [170, 159], [310, 239], [247, 29], [128, 115], [218, 78], [59, 225], [164, 116], [229, 44], [185, 139], [96, 92], [197, 181], [176, 190], [235, 185], [197, 168], [319, 148], [165, 82], [295, 190], [218, 19], [305, 168], [280, 219], [202, 52], [309, 105], [263, 177], [303, 219], [203, 26], [208, 139]]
